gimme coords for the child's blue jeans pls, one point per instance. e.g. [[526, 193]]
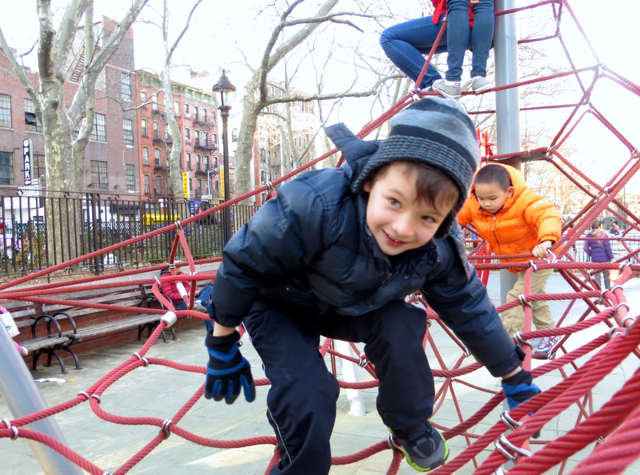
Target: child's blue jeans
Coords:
[[302, 399], [406, 43], [461, 37]]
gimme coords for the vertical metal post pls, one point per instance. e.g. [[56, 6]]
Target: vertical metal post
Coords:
[[507, 102], [224, 114], [23, 397], [507, 111]]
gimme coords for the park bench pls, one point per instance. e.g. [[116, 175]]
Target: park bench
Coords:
[[67, 325], [84, 328], [30, 314]]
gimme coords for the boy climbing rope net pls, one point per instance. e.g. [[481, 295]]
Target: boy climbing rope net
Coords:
[[333, 255]]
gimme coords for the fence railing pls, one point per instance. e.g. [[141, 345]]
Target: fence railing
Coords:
[[37, 233]]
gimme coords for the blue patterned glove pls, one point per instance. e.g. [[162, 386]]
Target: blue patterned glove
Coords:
[[228, 372], [519, 388]]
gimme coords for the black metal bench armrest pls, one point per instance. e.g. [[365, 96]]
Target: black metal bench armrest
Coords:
[[47, 319], [73, 322]]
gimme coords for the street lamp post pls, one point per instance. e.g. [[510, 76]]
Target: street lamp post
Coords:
[[223, 94]]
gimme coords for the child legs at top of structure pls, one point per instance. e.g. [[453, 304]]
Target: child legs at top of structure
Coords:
[[406, 44], [458, 34]]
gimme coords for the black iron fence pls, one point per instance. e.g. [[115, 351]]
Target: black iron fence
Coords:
[[37, 233]]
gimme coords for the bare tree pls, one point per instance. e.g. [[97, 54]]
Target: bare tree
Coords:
[[256, 96], [64, 153], [175, 175]]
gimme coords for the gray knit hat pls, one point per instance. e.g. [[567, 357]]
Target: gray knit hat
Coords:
[[438, 132]]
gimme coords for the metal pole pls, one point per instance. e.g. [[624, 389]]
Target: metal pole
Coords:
[[507, 102], [224, 114], [23, 398], [507, 112]]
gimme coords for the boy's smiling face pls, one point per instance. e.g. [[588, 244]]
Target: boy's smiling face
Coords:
[[399, 221]]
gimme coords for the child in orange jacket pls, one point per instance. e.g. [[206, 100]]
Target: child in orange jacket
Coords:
[[514, 219]]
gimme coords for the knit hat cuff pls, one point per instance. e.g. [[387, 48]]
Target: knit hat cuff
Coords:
[[418, 149]]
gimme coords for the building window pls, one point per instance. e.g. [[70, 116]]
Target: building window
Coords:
[[214, 139], [147, 184], [187, 135], [215, 162], [167, 135], [158, 185], [195, 113], [130, 171], [156, 130], [38, 167], [157, 157], [99, 176], [125, 86], [145, 156], [143, 126], [154, 102], [263, 177], [176, 108], [197, 162], [204, 138], [6, 168], [143, 97], [199, 186], [186, 110], [30, 119], [204, 115], [188, 161], [196, 135], [206, 163], [5, 110], [127, 125], [99, 131]]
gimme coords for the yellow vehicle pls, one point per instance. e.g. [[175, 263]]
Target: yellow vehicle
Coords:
[[159, 218]]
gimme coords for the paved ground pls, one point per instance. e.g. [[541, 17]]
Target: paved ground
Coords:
[[160, 392]]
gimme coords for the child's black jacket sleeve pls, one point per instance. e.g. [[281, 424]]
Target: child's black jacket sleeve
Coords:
[[284, 235], [464, 306]]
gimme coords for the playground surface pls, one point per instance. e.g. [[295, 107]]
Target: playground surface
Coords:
[[159, 391]]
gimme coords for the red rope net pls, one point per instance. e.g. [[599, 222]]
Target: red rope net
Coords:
[[614, 427]]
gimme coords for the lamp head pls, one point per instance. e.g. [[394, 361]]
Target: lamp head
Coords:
[[223, 91]]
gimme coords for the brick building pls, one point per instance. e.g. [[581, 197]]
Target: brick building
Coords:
[[111, 157], [278, 147], [195, 114]]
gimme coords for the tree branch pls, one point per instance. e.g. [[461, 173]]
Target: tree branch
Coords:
[[18, 70], [184, 30]]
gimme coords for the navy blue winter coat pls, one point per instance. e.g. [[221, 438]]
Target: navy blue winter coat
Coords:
[[311, 247]]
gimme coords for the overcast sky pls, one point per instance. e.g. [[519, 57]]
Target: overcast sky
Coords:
[[222, 28]]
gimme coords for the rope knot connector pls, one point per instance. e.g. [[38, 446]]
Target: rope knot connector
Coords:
[[503, 442], [165, 428], [170, 318], [82, 393], [509, 421], [521, 341], [146, 361], [363, 361], [97, 398], [534, 265], [14, 429], [524, 301]]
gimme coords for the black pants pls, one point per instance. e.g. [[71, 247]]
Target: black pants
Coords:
[[302, 399]]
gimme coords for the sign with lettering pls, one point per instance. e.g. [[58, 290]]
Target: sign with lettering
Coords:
[[27, 146], [221, 171], [185, 184]]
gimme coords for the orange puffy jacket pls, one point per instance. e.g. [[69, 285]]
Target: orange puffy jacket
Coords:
[[524, 221]]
